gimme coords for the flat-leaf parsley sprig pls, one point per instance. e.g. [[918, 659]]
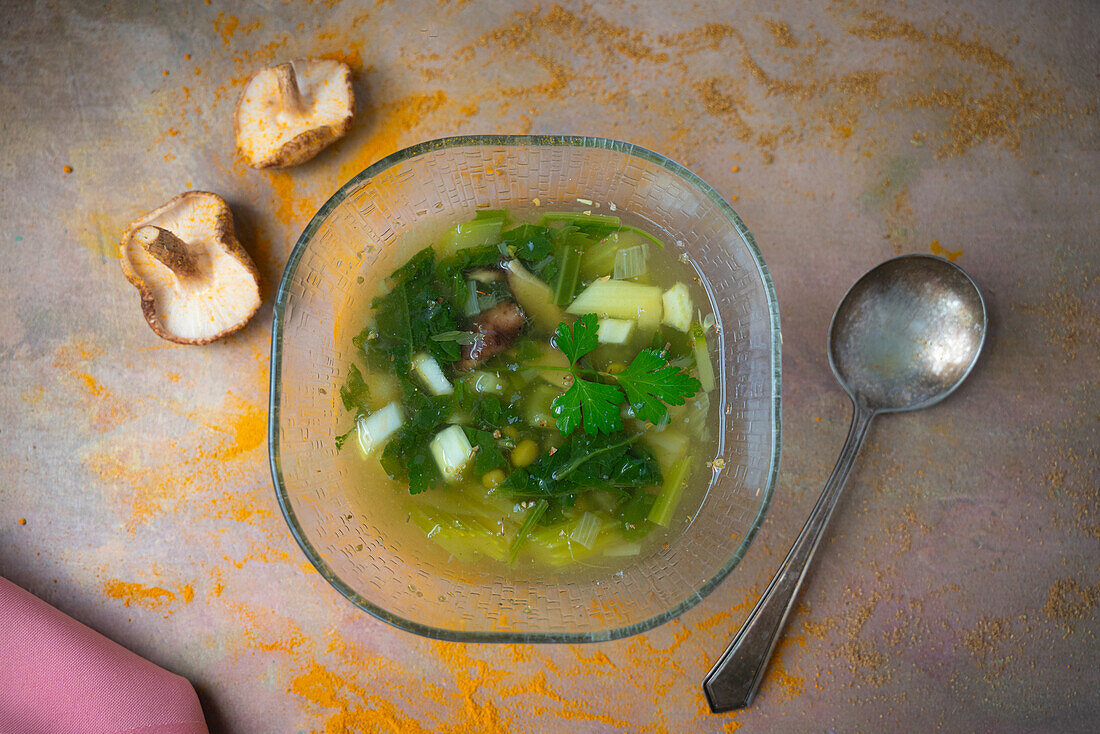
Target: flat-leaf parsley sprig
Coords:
[[650, 383]]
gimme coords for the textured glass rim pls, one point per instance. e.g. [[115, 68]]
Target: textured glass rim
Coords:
[[566, 141]]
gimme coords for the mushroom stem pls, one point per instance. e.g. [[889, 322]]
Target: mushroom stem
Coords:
[[169, 250], [288, 89]]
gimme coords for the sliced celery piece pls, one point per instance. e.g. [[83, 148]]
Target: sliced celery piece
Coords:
[[702, 357], [606, 220], [472, 234], [599, 259], [677, 307], [534, 514], [621, 299], [493, 214], [630, 262], [586, 530], [431, 374], [569, 264], [452, 451], [472, 307], [373, 430], [673, 489]]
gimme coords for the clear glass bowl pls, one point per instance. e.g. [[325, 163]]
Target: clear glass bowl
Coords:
[[352, 236]]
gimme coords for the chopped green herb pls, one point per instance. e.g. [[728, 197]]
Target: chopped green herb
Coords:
[[650, 382], [355, 393]]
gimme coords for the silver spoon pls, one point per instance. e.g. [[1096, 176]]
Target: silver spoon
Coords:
[[904, 337]]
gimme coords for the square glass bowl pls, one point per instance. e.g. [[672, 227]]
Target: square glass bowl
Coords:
[[446, 181]]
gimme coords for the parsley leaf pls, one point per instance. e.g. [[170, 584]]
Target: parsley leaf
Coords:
[[591, 404], [650, 382], [579, 339], [487, 454], [355, 393], [343, 437], [587, 403]]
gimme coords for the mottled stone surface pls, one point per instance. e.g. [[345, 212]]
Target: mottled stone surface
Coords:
[[958, 586]]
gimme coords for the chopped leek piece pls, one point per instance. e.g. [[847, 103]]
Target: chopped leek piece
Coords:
[[534, 514], [702, 357], [630, 262], [615, 331], [621, 299], [671, 491], [375, 429], [451, 450], [431, 374], [677, 307], [534, 297], [586, 530]]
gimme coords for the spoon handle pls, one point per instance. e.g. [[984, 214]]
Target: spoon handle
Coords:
[[734, 679]]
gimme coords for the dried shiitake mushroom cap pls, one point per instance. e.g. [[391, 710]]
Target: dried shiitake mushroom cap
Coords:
[[197, 283], [288, 113]]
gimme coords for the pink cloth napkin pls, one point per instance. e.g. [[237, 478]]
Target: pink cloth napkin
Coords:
[[59, 677]]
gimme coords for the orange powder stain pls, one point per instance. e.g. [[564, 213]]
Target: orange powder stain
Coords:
[[290, 208], [387, 126], [247, 427], [350, 56], [91, 385], [149, 478], [478, 715], [938, 249], [351, 708], [149, 597], [226, 27], [102, 409], [235, 507]]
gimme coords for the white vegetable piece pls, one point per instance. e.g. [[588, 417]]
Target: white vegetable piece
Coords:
[[431, 374], [677, 307], [375, 428], [451, 450], [615, 331], [621, 299]]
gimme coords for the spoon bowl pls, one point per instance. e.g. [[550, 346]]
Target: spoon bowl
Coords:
[[904, 337], [907, 333]]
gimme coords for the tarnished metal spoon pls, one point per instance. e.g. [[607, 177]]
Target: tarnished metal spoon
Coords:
[[904, 337]]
